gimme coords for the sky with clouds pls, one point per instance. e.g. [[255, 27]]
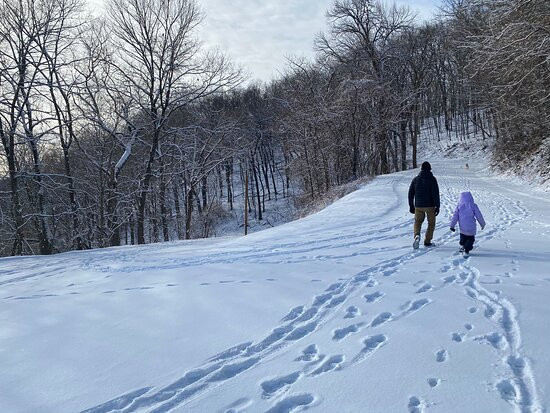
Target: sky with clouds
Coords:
[[260, 34]]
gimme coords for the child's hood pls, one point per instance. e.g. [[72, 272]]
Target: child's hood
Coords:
[[466, 198]]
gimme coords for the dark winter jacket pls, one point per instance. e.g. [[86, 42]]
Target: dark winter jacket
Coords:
[[424, 191]]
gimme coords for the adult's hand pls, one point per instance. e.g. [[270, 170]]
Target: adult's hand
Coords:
[[411, 210], [436, 211]]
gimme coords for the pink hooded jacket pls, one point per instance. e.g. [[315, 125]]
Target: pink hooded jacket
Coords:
[[466, 214]]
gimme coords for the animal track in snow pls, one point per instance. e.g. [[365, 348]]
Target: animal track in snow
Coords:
[[374, 297]]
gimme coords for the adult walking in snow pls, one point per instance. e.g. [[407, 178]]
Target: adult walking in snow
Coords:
[[424, 202]]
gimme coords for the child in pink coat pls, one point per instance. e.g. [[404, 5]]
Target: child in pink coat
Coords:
[[466, 214]]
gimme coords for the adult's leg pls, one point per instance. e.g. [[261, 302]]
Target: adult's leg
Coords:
[[419, 215], [430, 212]]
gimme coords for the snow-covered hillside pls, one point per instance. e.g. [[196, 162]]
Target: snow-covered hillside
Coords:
[[331, 313]]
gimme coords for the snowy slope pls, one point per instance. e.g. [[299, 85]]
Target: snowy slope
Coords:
[[331, 313]]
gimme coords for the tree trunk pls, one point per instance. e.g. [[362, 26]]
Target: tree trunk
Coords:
[[9, 147], [188, 212]]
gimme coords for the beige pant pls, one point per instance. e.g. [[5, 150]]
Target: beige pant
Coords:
[[419, 215]]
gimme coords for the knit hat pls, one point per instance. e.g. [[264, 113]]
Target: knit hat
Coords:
[[426, 166]]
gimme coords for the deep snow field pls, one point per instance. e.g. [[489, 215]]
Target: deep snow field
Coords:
[[332, 313]]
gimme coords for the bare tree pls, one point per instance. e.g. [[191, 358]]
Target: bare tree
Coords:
[[160, 61]]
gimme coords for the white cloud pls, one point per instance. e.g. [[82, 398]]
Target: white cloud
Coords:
[[260, 34]]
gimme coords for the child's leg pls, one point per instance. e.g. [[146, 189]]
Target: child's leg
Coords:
[[462, 240], [469, 243]]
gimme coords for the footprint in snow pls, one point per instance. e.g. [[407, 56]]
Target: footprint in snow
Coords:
[[294, 313], [291, 403], [342, 333], [231, 370], [441, 356], [457, 337], [238, 406], [494, 339], [508, 390], [273, 386], [433, 382], [331, 364], [352, 312], [371, 344], [424, 289], [333, 287], [310, 353], [415, 405], [374, 297], [381, 319]]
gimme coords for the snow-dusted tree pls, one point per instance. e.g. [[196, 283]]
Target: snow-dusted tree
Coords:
[[509, 42], [162, 68], [360, 35]]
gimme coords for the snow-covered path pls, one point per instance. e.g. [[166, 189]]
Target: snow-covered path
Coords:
[[334, 313]]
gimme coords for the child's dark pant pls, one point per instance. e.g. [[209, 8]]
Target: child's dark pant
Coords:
[[467, 241]]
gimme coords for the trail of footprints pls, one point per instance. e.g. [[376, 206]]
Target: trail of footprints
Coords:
[[516, 383], [316, 363], [299, 323]]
